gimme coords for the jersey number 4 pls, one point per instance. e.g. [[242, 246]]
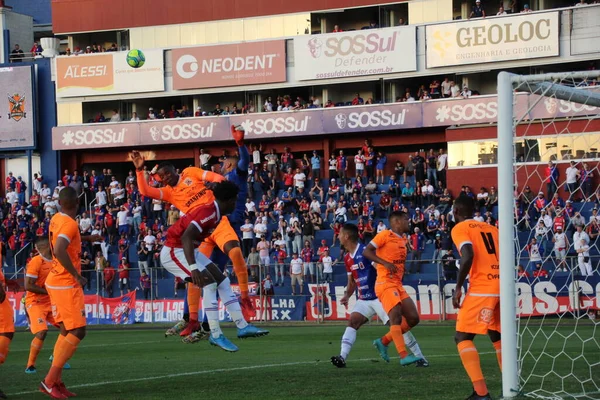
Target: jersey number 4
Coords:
[[488, 242]]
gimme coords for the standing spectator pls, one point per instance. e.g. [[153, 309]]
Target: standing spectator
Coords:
[[342, 166], [359, 163], [583, 258], [417, 242], [109, 276], [205, 160], [380, 167], [572, 175], [296, 273], [36, 49], [561, 244], [247, 237], [146, 284], [551, 174], [21, 190], [86, 268], [370, 162], [535, 252], [307, 255], [142, 252], [280, 256], [446, 88], [315, 165], [124, 276], [17, 55], [299, 179], [287, 159], [477, 11], [432, 166], [296, 235], [116, 117], [327, 267], [263, 252], [253, 262], [333, 162], [419, 166], [587, 177]]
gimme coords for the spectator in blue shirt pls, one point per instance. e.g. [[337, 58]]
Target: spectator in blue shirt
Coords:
[[381, 161], [394, 189], [315, 165], [407, 194]]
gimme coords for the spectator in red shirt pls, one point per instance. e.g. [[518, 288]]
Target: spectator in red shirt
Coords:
[[124, 275], [109, 277], [521, 273], [307, 255], [539, 271], [280, 256], [357, 100], [559, 222], [385, 203], [336, 29]]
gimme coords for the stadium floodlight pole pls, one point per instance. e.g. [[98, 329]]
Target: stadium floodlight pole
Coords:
[[508, 304]]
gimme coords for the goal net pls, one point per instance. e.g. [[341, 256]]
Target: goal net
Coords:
[[548, 171]]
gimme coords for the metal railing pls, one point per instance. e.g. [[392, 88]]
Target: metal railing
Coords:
[[16, 256]]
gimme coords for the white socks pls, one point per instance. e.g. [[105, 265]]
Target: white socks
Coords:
[[347, 341], [412, 344], [231, 303], [211, 309]]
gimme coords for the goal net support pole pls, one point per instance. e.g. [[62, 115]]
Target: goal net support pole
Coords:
[[508, 305]]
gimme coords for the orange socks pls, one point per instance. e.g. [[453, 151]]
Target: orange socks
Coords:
[[240, 267], [498, 347], [193, 297], [470, 359], [63, 350], [4, 343], [387, 339], [396, 331], [404, 325], [34, 350]]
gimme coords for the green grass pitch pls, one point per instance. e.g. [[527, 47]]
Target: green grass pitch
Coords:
[[292, 362]]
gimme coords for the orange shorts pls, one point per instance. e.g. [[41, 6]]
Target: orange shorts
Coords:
[[68, 307], [39, 314], [390, 294], [222, 234], [7, 317], [478, 314]]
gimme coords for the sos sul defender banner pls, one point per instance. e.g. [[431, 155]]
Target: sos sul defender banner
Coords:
[[493, 39], [365, 52], [229, 65], [108, 73], [17, 119], [384, 117]]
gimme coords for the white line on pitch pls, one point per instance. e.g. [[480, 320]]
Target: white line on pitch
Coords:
[[94, 345], [215, 371]]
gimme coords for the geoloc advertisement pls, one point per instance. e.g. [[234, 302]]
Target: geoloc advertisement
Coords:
[[17, 119], [365, 52], [493, 39]]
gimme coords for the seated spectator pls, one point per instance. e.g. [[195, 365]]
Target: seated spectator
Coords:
[[329, 104], [336, 29], [526, 9], [330, 207], [340, 212], [449, 266], [370, 188], [357, 100], [521, 272], [482, 197], [116, 117], [539, 271], [334, 190], [466, 92], [385, 204], [407, 194], [317, 189]]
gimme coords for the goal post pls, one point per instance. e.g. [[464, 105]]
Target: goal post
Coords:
[[551, 348], [508, 307]]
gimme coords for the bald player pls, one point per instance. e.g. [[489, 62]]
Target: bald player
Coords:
[[64, 285], [479, 312], [37, 300]]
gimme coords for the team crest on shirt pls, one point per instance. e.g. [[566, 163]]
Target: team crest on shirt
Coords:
[[188, 181], [40, 321], [485, 315]]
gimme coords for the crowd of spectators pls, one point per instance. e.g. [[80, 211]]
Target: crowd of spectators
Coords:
[[291, 199]]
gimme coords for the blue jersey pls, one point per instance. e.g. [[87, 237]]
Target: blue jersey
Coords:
[[363, 273], [239, 176]]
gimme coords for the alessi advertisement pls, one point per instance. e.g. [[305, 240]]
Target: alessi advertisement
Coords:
[[229, 65], [365, 52], [108, 73], [492, 39]]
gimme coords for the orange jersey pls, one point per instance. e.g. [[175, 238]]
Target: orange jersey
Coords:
[[190, 192], [485, 270], [392, 248], [61, 225], [38, 268]]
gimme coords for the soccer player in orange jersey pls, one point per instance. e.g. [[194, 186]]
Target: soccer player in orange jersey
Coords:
[[479, 313], [37, 301], [185, 191], [388, 251], [64, 285], [7, 323]]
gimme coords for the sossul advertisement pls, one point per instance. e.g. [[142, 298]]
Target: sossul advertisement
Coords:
[[365, 52], [320, 121]]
